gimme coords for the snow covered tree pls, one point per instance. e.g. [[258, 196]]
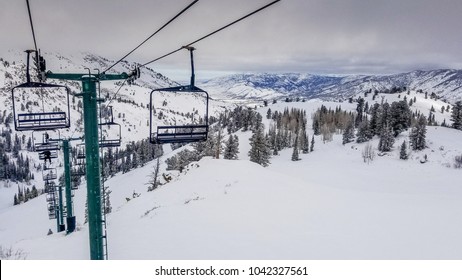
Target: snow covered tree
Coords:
[[386, 139], [295, 153], [400, 117], [107, 202], [312, 144], [363, 134], [456, 115], [260, 151], [403, 151], [348, 133], [231, 148], [359, 111], [305, 143], [219, 143], [154, 182], [418, 134]]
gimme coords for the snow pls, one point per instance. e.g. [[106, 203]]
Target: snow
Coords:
[[329, 205]]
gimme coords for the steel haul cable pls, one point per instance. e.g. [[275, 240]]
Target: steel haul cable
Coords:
[[152, 35]]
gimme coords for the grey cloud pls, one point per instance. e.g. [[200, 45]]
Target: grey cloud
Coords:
[[317, 36]]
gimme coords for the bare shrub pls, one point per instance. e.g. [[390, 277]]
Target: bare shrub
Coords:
[[368, 153]]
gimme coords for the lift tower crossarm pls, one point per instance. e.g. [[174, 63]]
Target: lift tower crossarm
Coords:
[[80, 77]]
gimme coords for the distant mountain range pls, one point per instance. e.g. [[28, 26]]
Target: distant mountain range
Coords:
[[446, 83]]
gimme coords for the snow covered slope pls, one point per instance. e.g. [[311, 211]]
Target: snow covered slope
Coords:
[[130, 104], [329, 205], [445, 83]]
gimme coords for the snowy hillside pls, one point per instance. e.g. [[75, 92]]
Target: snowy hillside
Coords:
[[130, 105], [328, 205], [445, 83]]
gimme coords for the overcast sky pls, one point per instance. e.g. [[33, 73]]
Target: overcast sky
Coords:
[[312, 36]]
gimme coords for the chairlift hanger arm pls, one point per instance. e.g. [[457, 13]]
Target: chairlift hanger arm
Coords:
[[84, 76]]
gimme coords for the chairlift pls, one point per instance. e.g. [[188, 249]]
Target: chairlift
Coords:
[[52, 214], [45, 120], [49, 174], [50, 187], [115, 141], [45, 155], [51, 197], [180, 133], [79, 171], [81, 151], [46, 144]]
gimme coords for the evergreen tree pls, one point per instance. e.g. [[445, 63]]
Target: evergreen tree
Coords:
[[305, 144], [400, 117], [403, 152], [219, 143], [316, 127], [374, 123], [418, 134], [348, 133], [232, 148], [363, 134], [260, 151], [456, 115], [386, 139], [295, 153], [107, 202], [359, 111], [312, 144], [34, 192], [154, 182]]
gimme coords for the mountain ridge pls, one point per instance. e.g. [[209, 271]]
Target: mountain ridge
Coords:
[[446, 83]]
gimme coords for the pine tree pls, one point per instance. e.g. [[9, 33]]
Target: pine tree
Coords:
[[219, 143], [312, 144], [386, 139], [363, 134], [260, 151], [418, 134], [232, 147], [107, 202], [348, 133], [456, 115], [154, 182], [400, 117], [403, 152], [359, 111], [305, 144], [295, 153]]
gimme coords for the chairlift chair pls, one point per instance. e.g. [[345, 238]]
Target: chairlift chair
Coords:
[[51, 197], [81, 151], [79, 171], [105, 142], [49, 174], [50, 187], [45, 120], [46, 144], [52, 155], [52, 215], [180, 133]]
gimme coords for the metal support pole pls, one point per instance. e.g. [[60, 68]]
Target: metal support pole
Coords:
[[61, 226], [70, 219], [90, 114]]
